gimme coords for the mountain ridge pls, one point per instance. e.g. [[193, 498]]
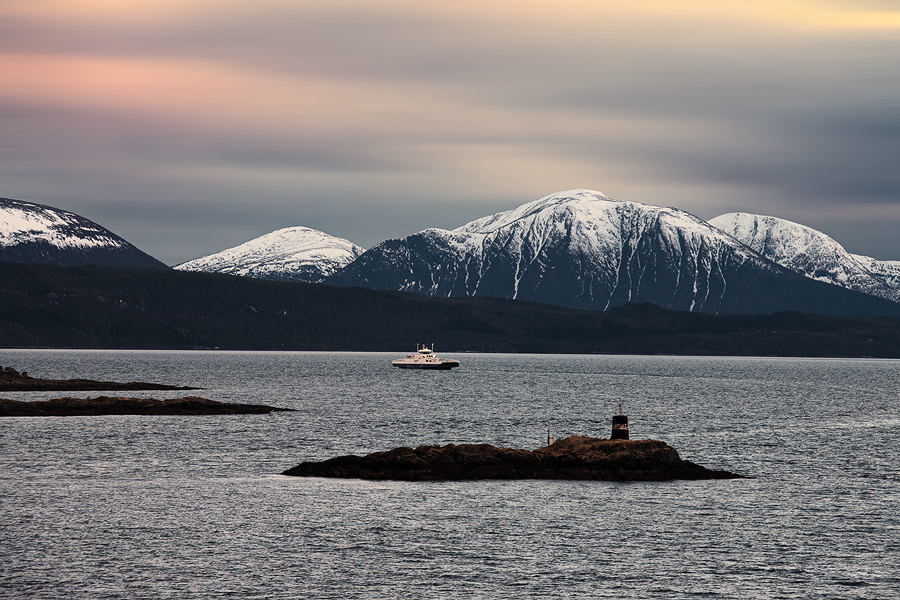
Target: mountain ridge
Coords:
[[576, 248]]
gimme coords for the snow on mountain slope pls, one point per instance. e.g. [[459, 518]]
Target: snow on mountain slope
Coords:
[[886, 270], [812, 253], [577, 248], [290, 254], [36, 233]]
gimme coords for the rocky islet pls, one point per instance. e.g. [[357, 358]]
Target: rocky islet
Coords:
[[571, 458]]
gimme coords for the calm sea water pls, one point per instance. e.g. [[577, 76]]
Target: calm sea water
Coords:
[[193, 507]]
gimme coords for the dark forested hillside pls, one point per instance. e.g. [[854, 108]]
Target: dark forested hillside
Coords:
[[102, 307]]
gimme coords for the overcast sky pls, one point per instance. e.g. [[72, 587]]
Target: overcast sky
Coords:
[[189, 126]]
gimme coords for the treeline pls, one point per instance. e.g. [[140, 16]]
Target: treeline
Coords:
[[102, 307]]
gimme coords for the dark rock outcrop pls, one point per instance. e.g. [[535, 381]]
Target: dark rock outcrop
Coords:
[[575, 457], [105, 405]]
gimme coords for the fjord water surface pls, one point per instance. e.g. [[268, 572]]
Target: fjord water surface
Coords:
[[173, 507]]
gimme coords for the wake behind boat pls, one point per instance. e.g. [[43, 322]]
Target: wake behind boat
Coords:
[[424, 358]]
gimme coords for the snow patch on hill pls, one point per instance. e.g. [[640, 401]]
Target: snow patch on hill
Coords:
[[34, 233], [28, 223], [292, 254]]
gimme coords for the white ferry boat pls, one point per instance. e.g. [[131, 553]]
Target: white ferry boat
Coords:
[[424, 358]]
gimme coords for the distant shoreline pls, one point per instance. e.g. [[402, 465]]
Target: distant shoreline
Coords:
[[146, 309]]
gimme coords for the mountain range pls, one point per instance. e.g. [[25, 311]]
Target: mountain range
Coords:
[[577, 248], [583, 249]]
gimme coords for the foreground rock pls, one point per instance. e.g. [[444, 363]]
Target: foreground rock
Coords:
[[105, 405], [576, 457], [13, 381]]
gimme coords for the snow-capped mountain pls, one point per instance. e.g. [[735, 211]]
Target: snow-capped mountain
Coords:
[[583, 249], [812, 253], [290, 254], [35, 233]]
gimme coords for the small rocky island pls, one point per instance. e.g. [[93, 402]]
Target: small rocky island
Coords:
[[105, 405], [12, 380], [576, 458]]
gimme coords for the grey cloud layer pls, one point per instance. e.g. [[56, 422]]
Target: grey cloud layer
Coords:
[[771, 122]]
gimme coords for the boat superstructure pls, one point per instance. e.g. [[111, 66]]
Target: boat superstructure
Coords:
[[425, 358]]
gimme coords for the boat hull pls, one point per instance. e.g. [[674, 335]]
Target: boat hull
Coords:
[[443, 366]]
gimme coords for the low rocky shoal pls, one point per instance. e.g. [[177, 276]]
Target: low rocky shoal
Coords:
[[576, 457], [105, 405], [33, 384]]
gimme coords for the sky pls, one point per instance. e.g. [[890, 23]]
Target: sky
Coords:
[[191, 126]]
